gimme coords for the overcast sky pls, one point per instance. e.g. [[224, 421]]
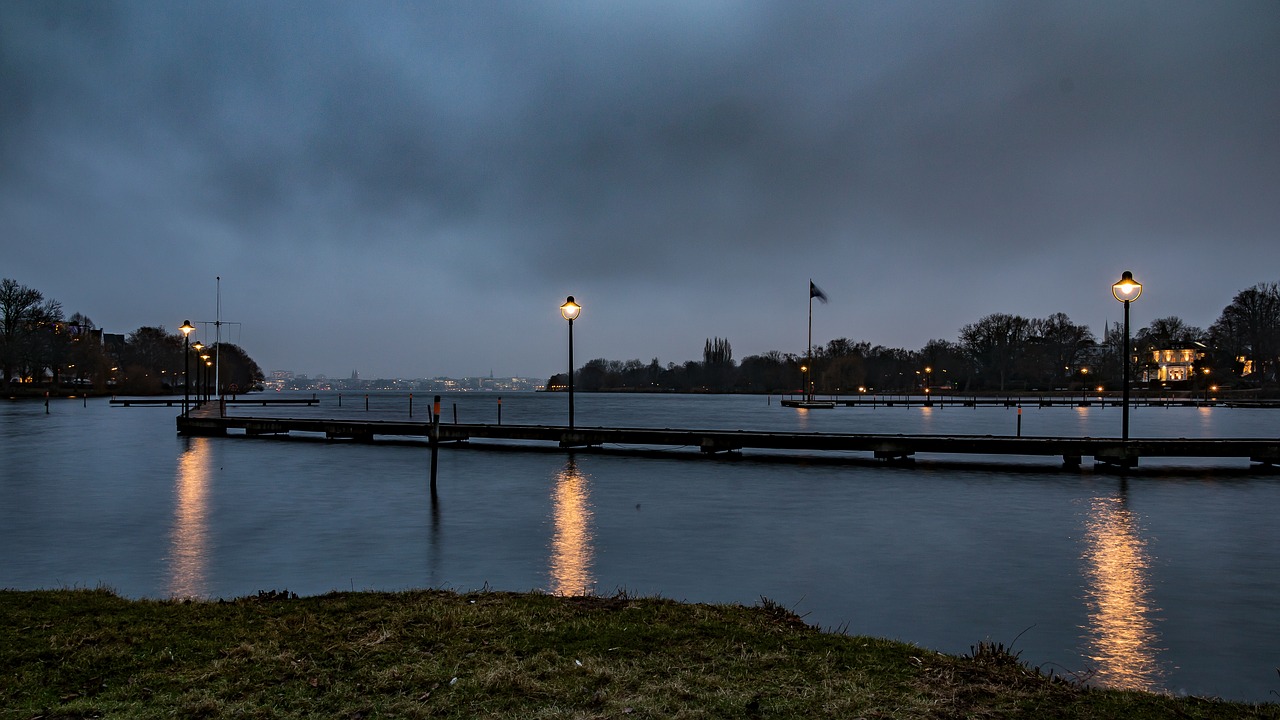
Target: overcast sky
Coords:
[[412, 188]]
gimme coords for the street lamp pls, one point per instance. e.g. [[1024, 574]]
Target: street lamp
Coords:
[[1126, 291], [186, 329], [199, 348], [570, 310], [204, 382]]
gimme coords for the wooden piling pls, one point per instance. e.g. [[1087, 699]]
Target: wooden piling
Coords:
[[435, 443]]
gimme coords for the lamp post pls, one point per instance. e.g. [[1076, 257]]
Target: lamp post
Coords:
[[1126, 291], [199, 348], [186, 329], [205, 359], [570, 310]]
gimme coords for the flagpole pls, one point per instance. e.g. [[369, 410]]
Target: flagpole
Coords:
[[217, 345], [809, 347]]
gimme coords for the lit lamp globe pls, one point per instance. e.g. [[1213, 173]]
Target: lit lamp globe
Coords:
[[570, 309], [1127, 289]]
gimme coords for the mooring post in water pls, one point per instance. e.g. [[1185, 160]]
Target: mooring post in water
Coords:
[[339, 399], [366, 402], [1019, 421], [435, 442], [46, 402], [455, 413], [499, 409], [410, 404]]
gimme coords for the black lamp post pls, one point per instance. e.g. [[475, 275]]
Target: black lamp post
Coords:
[[199, 348], [1126, 291], [570, 310], [186, 329]]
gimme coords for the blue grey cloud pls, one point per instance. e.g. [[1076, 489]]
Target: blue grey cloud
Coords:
[[349, 165]]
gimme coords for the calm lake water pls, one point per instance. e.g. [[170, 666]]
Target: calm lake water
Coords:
[[1166, 579]]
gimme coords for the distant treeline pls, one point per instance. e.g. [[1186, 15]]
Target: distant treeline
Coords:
[[42, 348], [997, 353]]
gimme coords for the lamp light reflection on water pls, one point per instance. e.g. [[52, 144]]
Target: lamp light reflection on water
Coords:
[[1120, 636], [189, 541], [571, 549]]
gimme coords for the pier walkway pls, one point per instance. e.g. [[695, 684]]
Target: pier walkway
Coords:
[[208, 421], [171, 401]]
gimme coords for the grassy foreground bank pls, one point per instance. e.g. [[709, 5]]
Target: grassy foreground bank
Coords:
[[88, 653]]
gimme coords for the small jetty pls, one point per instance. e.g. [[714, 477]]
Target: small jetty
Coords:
[[1011, 401], [177, 401], [208, 421], [809, 404]]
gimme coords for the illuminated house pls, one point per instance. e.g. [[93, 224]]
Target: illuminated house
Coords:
[[1175, 363]]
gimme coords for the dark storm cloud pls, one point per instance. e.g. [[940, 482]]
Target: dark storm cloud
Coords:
[[699, 147]]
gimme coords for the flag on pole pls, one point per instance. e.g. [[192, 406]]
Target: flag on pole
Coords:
[[816, 292]]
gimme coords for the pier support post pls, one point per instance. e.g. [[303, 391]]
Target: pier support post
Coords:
[[435, 443]]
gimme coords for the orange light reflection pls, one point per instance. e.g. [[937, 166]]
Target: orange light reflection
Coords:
[[571, 549], [189, 541], [1120, 637]]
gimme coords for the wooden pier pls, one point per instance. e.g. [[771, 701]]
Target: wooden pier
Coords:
[[1011, 401], [1111, 451], [177, 401]]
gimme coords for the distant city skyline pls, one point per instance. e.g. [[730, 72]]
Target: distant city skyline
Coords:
[[414, 189], [289, 380]]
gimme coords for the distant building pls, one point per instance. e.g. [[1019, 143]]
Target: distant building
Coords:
[[1175, 363]]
